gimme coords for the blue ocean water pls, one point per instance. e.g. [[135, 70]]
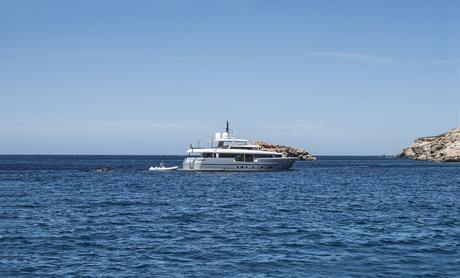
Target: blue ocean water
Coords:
[[338, 216]]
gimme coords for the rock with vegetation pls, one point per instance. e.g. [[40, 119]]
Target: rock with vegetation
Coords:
[[302, 154], [444, 147]]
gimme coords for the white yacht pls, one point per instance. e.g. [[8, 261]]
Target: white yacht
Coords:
[[231, 154]]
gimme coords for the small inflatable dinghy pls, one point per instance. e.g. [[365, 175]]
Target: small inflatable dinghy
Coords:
[[163, 168]]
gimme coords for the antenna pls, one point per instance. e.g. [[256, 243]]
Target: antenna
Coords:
[[226, 129]]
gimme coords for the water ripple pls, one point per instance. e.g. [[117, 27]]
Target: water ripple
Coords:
[[332, 217]]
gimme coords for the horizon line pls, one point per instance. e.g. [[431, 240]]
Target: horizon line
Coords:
[[2, 154]]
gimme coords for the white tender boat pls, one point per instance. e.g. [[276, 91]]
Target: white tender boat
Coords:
[[162, 167], [232, 154]]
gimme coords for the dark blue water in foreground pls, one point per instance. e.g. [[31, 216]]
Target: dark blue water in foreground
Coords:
[[338, 216]]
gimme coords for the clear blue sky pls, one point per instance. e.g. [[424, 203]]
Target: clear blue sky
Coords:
[[150, 77]]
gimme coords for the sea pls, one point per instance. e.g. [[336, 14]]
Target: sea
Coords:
[[334, 217]]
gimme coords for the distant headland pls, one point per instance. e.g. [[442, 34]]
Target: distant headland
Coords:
[[444, 147]]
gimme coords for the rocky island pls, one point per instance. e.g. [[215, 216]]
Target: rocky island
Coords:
[[302, 154], [444, 147]]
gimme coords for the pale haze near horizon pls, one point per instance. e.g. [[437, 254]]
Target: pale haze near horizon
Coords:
[[151, 77]]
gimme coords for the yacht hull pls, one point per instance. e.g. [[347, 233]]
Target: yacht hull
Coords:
[[229, 164]]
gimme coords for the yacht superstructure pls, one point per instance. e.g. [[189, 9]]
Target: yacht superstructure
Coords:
[[233, 154]]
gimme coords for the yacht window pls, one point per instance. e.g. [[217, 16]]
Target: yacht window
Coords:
[[239, 157], [207, 155], [262, 155], [242, 147], [231, 155], [249, 157], [224, 145], [244, 157]]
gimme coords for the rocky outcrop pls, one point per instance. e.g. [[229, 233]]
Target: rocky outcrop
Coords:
[[302, 154], [444, 147]]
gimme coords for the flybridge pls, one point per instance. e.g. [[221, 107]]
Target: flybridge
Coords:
[[227, 137]]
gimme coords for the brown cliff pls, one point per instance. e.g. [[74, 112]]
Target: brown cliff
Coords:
[[302, 154]]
